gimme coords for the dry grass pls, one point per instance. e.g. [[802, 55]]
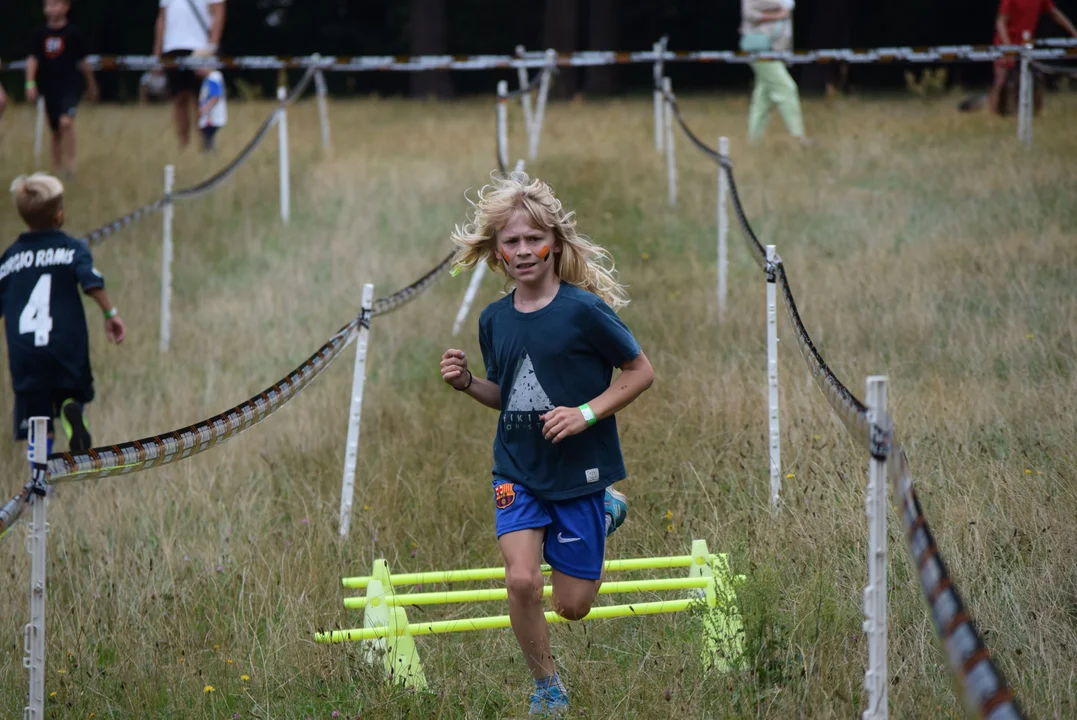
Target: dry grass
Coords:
[[920, 243]]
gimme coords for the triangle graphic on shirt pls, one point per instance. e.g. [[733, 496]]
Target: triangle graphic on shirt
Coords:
[[527, 394]]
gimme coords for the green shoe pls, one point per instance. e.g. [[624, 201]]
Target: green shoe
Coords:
[[78, 435]]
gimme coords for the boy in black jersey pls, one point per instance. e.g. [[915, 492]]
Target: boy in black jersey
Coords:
[[57, 59], [48, 345]]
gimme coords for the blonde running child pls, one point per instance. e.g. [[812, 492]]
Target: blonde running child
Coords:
[[47, 340], [549, 348]]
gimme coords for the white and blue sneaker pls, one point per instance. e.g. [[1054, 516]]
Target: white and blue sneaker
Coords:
[[616, 505], [549, 702]]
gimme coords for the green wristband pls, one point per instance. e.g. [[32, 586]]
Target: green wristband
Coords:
[[30, 84], [109, 314], [588, 414]]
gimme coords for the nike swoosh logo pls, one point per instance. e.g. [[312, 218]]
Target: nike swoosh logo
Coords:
[[563, 539]]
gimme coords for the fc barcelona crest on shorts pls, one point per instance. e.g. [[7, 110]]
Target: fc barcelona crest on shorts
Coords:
[[504, 495]]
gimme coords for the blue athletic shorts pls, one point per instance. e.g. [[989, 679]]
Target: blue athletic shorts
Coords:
[[575, 541]]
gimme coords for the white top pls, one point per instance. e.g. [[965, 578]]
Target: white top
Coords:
[[183, 31], [780, 31], [213, 87]]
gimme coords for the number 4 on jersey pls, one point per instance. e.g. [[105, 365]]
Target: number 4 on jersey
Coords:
[[35, 316]]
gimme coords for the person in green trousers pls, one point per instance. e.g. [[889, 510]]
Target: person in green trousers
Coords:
[[767, 25]]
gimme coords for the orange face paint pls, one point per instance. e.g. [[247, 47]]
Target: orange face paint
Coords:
[[505, 255], [544, 253]]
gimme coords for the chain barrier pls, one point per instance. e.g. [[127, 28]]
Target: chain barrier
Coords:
[[981, 685], [1048, 69], [13, 508], [215, 180], [852, 413], [980, 682], [703, 147], [135, 455], [518, 93], [150, 452], [391, 303], [532, 86], [1048, 49], [95, 237]]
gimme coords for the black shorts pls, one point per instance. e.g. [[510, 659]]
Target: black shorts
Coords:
[[209, 133], [61, 102], [44, 404], [181, 80]]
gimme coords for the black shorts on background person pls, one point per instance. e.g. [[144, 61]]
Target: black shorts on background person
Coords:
[[180, 80], [185, 28]]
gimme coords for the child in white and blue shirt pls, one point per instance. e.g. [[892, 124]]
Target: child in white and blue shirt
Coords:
[[212, 106]]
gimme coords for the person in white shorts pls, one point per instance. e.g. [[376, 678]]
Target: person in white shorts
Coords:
[[184, 26]]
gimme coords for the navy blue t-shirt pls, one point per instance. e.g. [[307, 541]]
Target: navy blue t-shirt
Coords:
[[47, 342], [561, 355], [59, 52]]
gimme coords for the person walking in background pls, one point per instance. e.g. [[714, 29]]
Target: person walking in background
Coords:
[[1014, 19], [767, 25], [57, 58], [184, 27], [212, 106], [47, 341]]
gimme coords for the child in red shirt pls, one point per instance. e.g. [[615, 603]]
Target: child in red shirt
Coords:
[[1014, 19]]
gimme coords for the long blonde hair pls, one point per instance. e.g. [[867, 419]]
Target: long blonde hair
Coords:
[[581, 262]]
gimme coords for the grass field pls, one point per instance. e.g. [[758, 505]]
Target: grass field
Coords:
[[920, 243]]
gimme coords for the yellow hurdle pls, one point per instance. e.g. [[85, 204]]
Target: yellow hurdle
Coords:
[[502, 621], [498, 573], [389, 637], [460, 596]]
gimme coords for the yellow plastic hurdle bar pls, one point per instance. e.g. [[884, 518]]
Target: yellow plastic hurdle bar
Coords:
[[389, 635]]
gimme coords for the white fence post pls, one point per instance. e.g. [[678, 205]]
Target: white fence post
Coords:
[[166, 260], [34, 633], [503, 123], [351, 449], [671, 156], [285, 180], [469, 298], [39, 130], [876, 678], [1025, 95], [540, 109], [723, 228], [323, 107], [525, 95], [772, 378], [659, 114]]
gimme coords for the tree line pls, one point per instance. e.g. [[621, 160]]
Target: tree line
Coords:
[[403, 27]]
